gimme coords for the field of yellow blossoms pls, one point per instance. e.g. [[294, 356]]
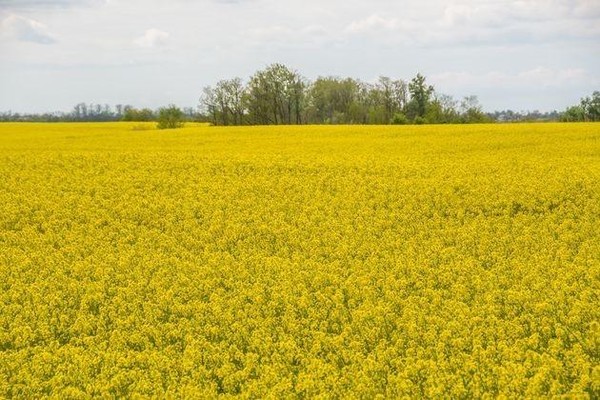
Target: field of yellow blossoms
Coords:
[[299, 262]]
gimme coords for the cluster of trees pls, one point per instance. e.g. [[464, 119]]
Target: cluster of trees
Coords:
[[83, 112], [280, 95], [588, 110], [525, 116], [9, 116]]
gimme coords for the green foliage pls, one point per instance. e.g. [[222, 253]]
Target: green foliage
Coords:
[[333, 100], [419, 121], [275, 96], [442, 110], [588, 110], [434, 114], [573, 114], [170, 117], [591, 106], [420, 95], [399, 119], [141, 115], [279, 95], [225, 102], [472, 111]]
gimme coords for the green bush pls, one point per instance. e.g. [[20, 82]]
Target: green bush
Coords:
[[399, 119], [170, 117], [419, 121]]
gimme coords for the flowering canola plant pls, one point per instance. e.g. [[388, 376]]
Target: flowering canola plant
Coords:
[[313, 261]]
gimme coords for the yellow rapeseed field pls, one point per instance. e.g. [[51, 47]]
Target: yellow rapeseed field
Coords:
[[315, 261]]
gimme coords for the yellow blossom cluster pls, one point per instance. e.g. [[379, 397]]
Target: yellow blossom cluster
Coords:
[[300, 262]]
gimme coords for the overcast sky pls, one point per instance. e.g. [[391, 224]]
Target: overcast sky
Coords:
[[523, 55]]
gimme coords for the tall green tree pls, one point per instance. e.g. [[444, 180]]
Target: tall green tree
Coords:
[[275, 95], [588, 109], [420, 96], [591, 107], [391, 96], [225, 102], [334, 100]]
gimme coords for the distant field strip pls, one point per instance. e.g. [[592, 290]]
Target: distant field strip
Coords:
[[283, 262]]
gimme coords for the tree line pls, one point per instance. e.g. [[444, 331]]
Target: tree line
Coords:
[[280, 95], [83, 112], [588, 110]]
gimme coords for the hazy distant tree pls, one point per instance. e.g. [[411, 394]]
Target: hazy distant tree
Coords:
[[80, 111], [133, 114], [442, 109], [191, 114], [472, 111], [119, 111], [89, 112]]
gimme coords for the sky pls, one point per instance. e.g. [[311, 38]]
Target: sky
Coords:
[[519, 55]]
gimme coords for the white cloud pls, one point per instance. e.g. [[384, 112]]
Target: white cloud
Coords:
[[497, 43], [270, 32], [539, 76], [152, 38], [373, 23], [25, 30], [469, 22], [285, 36], [47, 4], [554, 77], [586, 9]]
